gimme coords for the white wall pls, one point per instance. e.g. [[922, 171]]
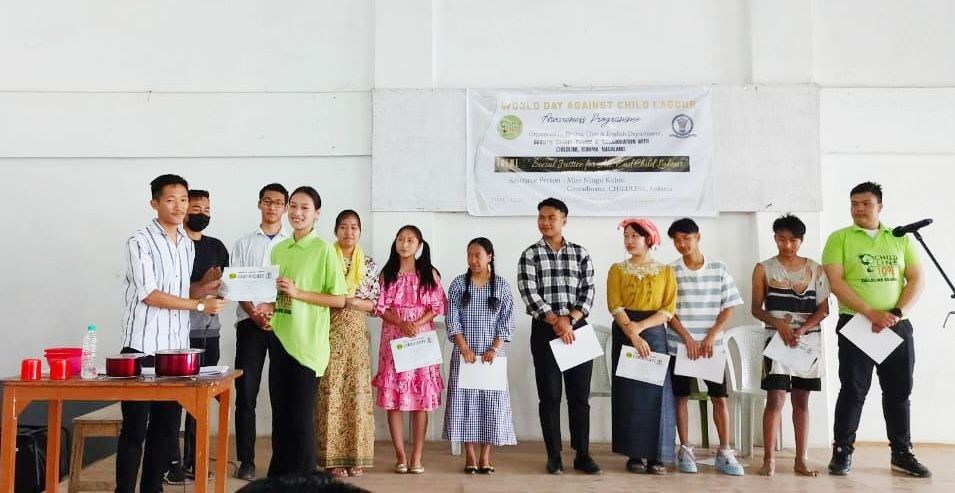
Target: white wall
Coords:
[[96, 100]]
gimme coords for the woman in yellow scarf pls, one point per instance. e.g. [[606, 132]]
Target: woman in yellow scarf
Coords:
[[344, 413]]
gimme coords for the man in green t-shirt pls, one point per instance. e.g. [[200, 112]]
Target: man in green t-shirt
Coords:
[[877, 275]]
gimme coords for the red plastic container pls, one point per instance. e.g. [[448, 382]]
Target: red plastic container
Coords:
[[72, 355]]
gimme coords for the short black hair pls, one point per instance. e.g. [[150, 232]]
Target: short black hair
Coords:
[[162, 181], [198, 194], [312, 193], [555, 203], [868, 187], [790, 223], [685, 226], [274, 187]]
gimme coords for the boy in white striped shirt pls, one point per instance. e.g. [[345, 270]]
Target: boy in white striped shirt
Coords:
[[706, 295]]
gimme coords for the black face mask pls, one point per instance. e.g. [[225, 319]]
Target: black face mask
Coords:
[[197, 222]]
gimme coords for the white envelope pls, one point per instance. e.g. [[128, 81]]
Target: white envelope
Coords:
[[483, 376], [877, 346], [411, 353], [249, 283], [800, 358], [585, 347], [652, 369], [712, 368]]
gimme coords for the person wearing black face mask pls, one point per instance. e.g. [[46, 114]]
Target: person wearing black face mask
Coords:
[[211, 257]]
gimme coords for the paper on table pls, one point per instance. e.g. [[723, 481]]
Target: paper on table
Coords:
[[877, 346], [249, 283], [800, 358], [411, 353], [711, 369], [652, 369], [584, 348], [213, 370], [483, 376]]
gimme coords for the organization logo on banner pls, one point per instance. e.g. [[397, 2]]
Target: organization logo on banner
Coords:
[[682, 126]]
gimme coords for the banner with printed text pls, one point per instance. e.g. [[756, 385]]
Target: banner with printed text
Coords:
[[603, 152]]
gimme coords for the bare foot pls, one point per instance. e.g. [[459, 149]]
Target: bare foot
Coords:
[[355, 471], [769, 467], [802, 469], [339, 472]]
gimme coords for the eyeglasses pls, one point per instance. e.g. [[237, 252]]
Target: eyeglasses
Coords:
[[271, 203]]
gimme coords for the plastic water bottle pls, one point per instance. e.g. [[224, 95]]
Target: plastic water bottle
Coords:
[[88, 371]]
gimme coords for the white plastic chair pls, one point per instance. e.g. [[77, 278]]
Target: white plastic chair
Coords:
[[744, 358], [602, 371]]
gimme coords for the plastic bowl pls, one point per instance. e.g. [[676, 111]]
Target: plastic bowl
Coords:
[[72, 355]]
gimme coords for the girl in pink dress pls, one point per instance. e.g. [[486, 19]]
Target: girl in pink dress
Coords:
[[411, 296]]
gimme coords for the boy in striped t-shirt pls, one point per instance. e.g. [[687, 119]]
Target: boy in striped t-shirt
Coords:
[[706, 295]]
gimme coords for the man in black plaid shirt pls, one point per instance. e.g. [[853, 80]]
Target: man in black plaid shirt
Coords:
[[556, 280]]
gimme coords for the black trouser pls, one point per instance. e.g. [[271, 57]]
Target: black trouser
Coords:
[[152, 423], [292, 389], [209, 357], [895, 378], [252, 345], [549, 379]]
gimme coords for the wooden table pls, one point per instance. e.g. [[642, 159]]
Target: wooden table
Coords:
[[194, 394]]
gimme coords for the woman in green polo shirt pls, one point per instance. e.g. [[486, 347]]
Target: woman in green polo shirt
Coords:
[[311, 281]]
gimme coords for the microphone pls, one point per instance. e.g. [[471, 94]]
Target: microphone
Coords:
[[911, 228]]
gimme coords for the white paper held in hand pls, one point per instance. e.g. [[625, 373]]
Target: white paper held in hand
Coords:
[[652, 369], [483, 376], [712, 369], [411, 353], [876, 345], [249, 283], [585, 348], [800, 358]]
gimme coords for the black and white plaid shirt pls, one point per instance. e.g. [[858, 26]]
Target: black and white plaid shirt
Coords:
[[556, 282]]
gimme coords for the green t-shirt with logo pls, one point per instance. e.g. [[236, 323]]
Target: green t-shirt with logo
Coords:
[[303, 327], [873, 267]]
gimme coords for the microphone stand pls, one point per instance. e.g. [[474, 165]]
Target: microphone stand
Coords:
[[918, 236]]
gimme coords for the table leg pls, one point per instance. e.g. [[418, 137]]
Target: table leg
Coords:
[[202, 443], [222, 442], [8, 448], [53, 424]]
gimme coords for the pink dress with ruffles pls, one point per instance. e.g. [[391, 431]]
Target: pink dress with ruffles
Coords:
[[414, 390]]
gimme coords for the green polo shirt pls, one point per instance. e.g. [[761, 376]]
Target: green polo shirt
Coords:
[[303, 327], [873, 267]]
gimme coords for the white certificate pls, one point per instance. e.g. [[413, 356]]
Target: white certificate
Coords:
[[877, 346], [652, 369], [712, 368], [800, 358], [249, 283], [483, 376], [411, 353], [584, 348]]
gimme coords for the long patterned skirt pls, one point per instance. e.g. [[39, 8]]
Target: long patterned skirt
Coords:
[[344, 413], [643, 414]]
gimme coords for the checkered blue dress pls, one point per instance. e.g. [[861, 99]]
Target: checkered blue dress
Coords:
[[478, 416]]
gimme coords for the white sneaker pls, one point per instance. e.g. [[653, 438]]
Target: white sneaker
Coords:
[[726, 463], [686, 460]]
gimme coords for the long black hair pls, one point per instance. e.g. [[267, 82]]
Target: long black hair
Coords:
[[422, 263], [493, 302]]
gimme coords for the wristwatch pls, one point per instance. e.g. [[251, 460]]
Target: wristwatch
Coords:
[[896, 311], [201, 306], [573, 320]]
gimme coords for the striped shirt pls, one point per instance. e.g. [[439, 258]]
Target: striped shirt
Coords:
[[700, 297], [794, 296], [255, 250], [556, 282], [154, 261]]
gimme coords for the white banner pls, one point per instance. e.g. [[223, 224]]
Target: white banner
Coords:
[[603, 152]]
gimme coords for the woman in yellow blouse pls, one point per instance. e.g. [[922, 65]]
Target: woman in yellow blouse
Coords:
[[641, 295]]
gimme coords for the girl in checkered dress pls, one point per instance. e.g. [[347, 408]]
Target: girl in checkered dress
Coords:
[[480, 320]]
